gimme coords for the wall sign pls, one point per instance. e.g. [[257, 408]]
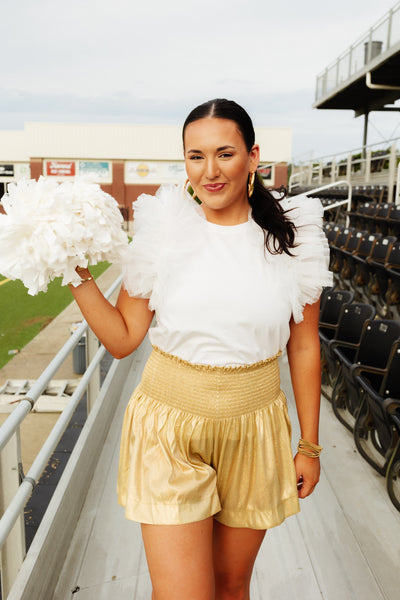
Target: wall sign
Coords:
[[152, 171], [99, 170], [6, 170], [265, 172], [60, 168]]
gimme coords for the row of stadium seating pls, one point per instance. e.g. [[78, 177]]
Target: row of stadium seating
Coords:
[[376, 217], [360, 193], [368, 264], [360, 376], [373, 217]]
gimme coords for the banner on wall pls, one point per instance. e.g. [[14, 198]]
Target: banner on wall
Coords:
[[99, 170], [60, 168], [154, 171], [6, 170]]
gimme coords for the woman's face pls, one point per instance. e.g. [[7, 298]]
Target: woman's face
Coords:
[[218, 164]]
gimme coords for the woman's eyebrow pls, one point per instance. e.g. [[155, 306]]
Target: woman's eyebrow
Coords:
[[220, 149]]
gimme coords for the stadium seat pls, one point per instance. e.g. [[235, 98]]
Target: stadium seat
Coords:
[[358, 218], [333, 232], [333, 300], [379, 250], [394, 221], [367, 218], [347, 335], [330, 311], [384, 284], [382, 216], [393, 471], [341, 241], [372, 352], [344, 255], [393, 292], [375, 435]]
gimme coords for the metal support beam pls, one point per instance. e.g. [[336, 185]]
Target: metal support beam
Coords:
[[365, 135]]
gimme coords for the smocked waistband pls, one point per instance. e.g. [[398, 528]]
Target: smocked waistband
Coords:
[[211, 391]]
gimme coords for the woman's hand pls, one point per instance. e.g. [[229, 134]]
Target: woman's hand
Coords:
[[309, 470]]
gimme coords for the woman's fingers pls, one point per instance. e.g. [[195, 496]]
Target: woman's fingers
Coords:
[[307, 472]]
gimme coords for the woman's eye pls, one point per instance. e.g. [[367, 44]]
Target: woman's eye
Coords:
[[195, 157], [225, 155]]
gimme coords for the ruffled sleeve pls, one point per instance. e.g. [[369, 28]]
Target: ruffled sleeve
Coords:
[[140, 263], [164, 231], [309, 270]]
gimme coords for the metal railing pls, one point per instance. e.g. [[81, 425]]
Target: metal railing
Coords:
[[380, 38], [334, 205], [15, 487], [375, 165]]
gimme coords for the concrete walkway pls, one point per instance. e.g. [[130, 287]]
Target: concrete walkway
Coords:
[[343, 545]]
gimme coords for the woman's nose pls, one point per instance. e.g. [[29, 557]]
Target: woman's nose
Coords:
[[212, 169]]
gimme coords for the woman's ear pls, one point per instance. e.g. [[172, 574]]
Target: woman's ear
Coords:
[[254, 157]]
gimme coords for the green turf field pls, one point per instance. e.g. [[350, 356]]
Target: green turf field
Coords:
[[23, 316]]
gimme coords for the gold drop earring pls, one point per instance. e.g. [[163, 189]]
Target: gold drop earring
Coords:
[[189, 189], [250, 184]]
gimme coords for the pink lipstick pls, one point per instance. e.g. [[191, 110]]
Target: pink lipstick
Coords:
[[214, 187]]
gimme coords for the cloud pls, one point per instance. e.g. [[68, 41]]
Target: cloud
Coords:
[[152, 62]]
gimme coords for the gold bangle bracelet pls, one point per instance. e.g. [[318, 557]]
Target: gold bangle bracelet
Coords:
[[86, 279], [309, 449]]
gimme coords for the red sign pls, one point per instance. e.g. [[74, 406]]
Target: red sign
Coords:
[[265, 172], [60, 168]]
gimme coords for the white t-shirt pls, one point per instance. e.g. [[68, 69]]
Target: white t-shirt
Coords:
[[220, 298]]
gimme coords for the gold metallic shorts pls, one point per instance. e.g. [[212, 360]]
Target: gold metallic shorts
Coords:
[[200, 441]]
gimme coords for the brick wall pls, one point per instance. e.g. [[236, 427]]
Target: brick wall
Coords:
[[36, 167], [281, 172]]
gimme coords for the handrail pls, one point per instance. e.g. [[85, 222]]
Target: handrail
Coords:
[[293, 176], [29, 482], [362, 169], [335, 204], [12, 544], [356, 150], [27, 403]]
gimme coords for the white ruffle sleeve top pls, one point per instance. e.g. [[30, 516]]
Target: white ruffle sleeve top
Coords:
[[220, 298]]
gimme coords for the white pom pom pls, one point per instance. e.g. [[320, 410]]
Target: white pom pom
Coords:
[[49, 229]]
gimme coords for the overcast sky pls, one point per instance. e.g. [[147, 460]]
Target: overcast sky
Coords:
[[152, 61]]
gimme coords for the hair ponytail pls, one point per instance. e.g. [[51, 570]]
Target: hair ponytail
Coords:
[[267, 212]]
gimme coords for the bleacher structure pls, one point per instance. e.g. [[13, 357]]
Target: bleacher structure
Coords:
[[360, 316], [345, 542]]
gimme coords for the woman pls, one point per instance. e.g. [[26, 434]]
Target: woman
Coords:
[[233, 276]]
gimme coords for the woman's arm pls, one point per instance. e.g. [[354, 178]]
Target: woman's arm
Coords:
[[305, 369], [120, 328]]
